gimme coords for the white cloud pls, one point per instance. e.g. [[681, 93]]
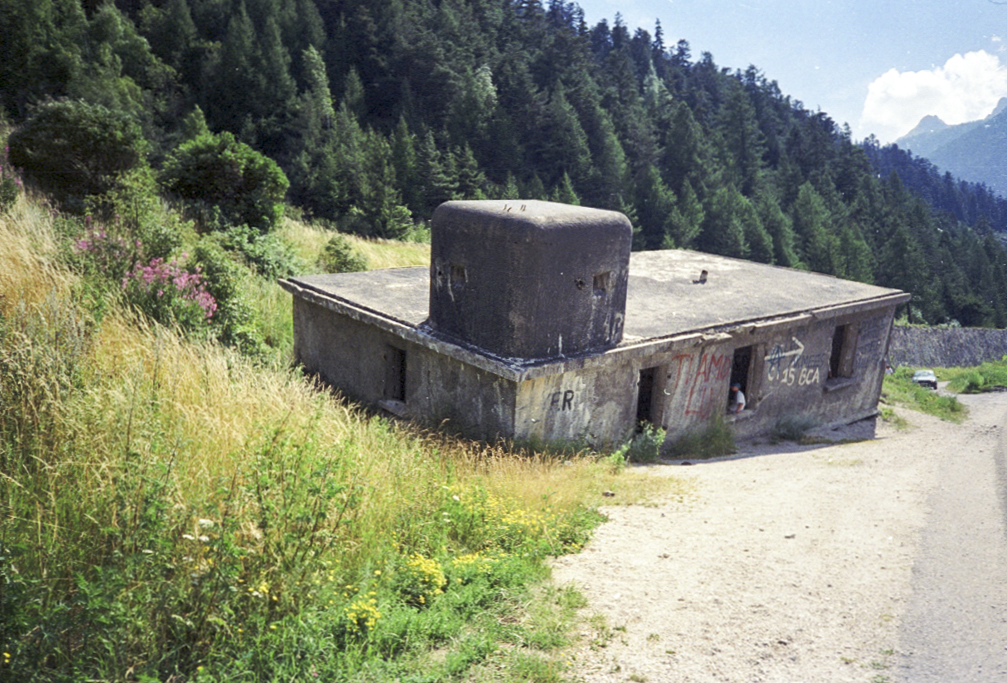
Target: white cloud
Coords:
[[966, 88]]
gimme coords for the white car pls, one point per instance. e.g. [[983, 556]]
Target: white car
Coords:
[[925, 377]]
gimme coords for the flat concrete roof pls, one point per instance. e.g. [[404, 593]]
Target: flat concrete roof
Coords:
[[663, 301]]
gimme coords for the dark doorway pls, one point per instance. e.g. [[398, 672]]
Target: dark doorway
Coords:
[[395, 373], [844, 343], [740, 367], [645, 396]]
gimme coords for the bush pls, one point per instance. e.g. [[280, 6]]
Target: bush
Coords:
[[645, 446], [235, 318], [134, 210], [101, 255], [713, 440], [169, 294], [899, 388], [270, 255], [74, 149], [339, 256], [219, 171]]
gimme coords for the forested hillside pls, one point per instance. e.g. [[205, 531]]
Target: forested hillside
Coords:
[[378, 110]]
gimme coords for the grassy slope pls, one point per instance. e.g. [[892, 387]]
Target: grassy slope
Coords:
[[169, 508], [899, 389]]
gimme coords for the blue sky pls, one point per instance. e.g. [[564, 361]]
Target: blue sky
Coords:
[[879, 65]]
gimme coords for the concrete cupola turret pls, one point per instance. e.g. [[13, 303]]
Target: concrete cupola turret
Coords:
[[529, 279]]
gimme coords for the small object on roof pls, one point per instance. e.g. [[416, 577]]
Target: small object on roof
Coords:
[[702, 278]]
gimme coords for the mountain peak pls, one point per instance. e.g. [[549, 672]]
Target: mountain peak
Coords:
[[1001, 106], [930, 124]]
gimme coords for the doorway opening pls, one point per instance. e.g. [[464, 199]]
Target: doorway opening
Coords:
[[395, 373], [645, 396], [741, 366], [844, 343]]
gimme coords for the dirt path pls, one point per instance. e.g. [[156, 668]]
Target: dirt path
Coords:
[[796, 565], [955, 624]]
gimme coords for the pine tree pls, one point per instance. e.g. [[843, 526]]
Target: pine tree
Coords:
[[811, 225], [406, 163], [437, 175], [743, 142], [687, 219], [564, 192], [563, 145], [471, 180], [655, 206], [724, 231], [780, 229]]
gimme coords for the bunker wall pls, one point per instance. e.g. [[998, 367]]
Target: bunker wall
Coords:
[[820, 372], [593, 406], [379, 368]]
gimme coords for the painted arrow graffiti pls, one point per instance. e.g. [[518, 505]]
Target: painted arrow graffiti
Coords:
[[776, 356]]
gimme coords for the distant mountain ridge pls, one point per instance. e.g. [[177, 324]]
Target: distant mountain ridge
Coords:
[[974, 151]]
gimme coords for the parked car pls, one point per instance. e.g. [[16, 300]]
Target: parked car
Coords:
[[925, 377]]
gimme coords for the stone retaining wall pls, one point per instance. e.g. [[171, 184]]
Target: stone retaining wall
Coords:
[[945, 346]]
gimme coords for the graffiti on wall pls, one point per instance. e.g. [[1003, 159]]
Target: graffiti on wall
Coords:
[[562, 400], [790, 366], [704, 380]]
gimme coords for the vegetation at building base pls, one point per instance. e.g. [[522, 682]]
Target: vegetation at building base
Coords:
[[713, 440], [376, 112], [171, 509], [899, 389]]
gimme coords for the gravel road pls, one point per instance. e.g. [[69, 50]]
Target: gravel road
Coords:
[[876, 561]]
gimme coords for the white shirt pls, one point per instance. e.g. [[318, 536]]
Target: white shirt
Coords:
[[739, 402]]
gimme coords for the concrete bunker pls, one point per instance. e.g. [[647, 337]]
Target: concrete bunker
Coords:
[[534, 321]]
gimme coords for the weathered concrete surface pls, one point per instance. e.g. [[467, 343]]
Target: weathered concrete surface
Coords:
[[529, 279], [361, 361], [661, 301], [773, 330], [946, 346]]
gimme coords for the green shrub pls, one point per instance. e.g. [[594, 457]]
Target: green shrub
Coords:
[[168, 293], [74, 149], [270, 255], [218, 171], [711, 441], [133, 210], [645, 445], [986, 377], [339, 256], [234, 318], [103, 257]]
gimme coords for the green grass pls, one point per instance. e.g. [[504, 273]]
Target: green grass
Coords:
[[974, 380], [714, 440], [899, 390], [170, 509]]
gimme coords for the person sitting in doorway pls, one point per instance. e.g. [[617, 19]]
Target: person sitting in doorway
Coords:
[[737, 399]]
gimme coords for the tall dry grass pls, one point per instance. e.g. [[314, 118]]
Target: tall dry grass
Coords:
[[29, 270], [120, 439], [309, 240]]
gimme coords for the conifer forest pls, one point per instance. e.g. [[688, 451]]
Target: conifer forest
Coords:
[[364, 115]]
